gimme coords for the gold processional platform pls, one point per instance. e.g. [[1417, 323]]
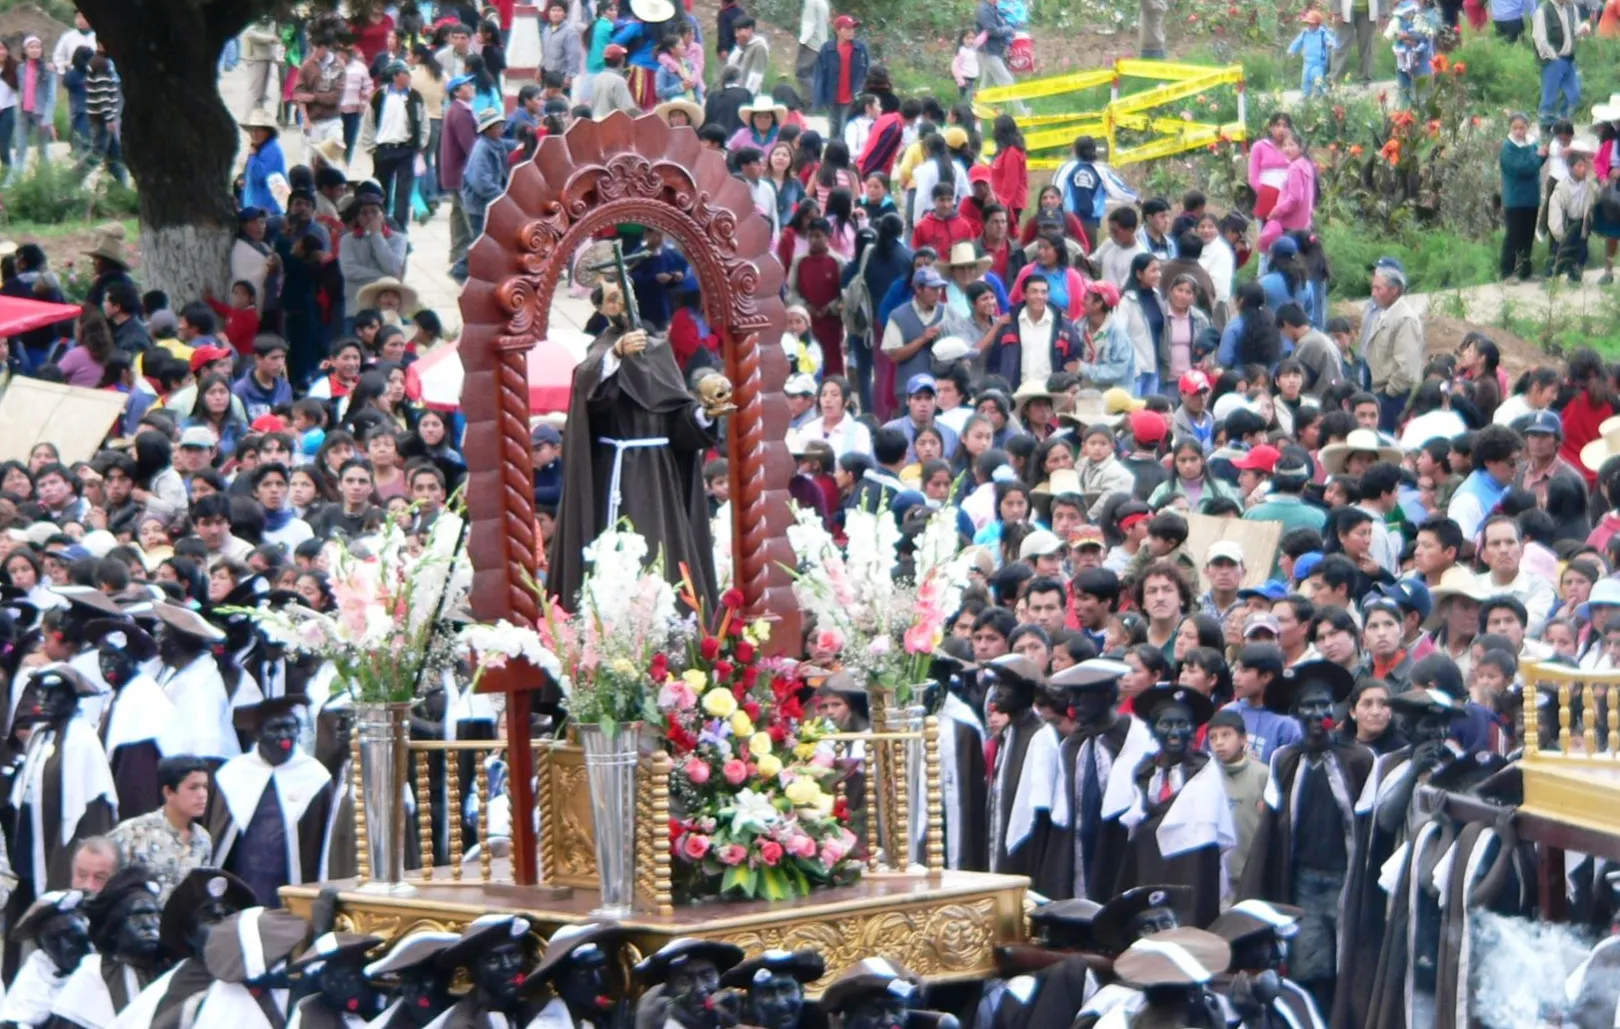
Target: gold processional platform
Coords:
[[943, 925]]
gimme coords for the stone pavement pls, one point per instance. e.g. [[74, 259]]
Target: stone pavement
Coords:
[[427, 270]]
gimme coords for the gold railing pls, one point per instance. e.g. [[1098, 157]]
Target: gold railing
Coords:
[[565, 843], [1587, 717]]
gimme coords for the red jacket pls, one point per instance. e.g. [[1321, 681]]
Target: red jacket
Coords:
[[1009, 179], [1581, 421], [933, 231], [241, 324]]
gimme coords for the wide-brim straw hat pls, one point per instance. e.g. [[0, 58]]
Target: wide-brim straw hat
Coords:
[[110, 246], [653, 11], [966, 255], [693, 111], [1607, 445], [762, 104], [1033, 389], [259, 118], [366, 296], [1089, 408], [1335, 456], [1609, 111], [330, 151]]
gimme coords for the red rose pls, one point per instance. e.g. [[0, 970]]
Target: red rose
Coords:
[[659, 667], [751, 709], [770, 852], [778, 732], [709, 648], [683, 741], [745, 652], [723, 670], [750, 675], [732, 599], [841, 809]]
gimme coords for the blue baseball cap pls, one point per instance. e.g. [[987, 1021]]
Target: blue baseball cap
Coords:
[[1541, 421], [919, 382], [456, 83], [927, 276], [1305, 565], [1409, 595], [1271, 589]]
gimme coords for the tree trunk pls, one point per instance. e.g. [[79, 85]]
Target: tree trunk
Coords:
[[179, 140]]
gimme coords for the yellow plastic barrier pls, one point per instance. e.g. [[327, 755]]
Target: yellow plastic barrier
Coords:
[[1045, 132]]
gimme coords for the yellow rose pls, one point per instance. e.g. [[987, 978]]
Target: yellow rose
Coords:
[[803, 791], [622, 666], [824, 805], [769, 766], [759, 744], [758, 632], [719, 703], [804, 751], [741, 724], [695, 679]]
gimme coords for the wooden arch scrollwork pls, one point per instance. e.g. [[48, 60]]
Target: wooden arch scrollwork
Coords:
[[599, 174]]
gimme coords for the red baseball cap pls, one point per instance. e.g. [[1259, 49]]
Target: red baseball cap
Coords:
[[844, 21], [1195, 381], [1261, 459], [979, 173], [207, 354], [1148, 428], [269, 423], [1105, 289]]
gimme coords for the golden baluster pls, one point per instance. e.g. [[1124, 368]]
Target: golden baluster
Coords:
[[545, 801], [869, 769], [484, 856], [1531, 714], [362, 849], [662, 878], [1563, 718], [935, 853], [902, 806], [424, 813], [452, 779], [1589, 718], [1614, 723]]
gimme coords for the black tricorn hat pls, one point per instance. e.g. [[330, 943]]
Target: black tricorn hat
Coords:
[[200, 886], [1108, 925], [655, 968], [1148, 702], [122, 635], [804, 965], [565, 942], [1282, 690]]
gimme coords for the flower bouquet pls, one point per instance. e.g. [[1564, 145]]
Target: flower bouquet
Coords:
[[756, 813], [889, 624]]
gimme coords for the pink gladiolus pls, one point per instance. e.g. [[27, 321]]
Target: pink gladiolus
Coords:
[[919, 638], [676, 694], [770, 852], [731, 854], [801, 846], [694, 846], [735, 771], [697, 771]]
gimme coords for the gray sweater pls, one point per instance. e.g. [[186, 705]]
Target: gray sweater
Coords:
[[365, 259]]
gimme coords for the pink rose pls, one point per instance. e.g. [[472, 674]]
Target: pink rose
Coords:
[[694, 846], [731, 854], [770, 852], [735, 771], [697, 771], [676, 694], [829, 640], [801, 846], [832, 852]]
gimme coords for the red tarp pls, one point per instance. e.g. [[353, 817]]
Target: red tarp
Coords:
[[19, 314]]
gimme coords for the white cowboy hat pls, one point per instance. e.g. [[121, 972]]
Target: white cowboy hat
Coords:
[[762, 104], [1607, 112], [964, 254], [693, 111], [259, 118], [1607, 445], [1090, 408], [1335, 456], [366, 296], [1034, 389], [330, 151], [1456, 582], [951, 348], [652, 11], [1584, 143]]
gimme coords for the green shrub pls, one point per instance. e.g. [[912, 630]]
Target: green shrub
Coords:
[[58, 192], [1505, 76], [1433, 260]]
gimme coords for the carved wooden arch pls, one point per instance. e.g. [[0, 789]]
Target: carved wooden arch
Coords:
[[599, 174]]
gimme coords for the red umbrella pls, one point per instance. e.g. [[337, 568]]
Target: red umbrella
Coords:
[[20, 314], [436, 379]]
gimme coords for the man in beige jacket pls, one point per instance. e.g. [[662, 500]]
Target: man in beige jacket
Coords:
[[1392, 341]]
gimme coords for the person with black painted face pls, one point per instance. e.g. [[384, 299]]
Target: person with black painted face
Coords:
[[963, 778], [1168, 822], [773, 983], [190, 676], [1104, 742], [411, 972], [1258, 984], [689, 971], [1303, 850], [123, 923], [141, 725], [342, 996], [580, 974], [64, 791], [875, 994], [494, 949], [270, 812], [1022, 759], [201, 900], [247, 955], [55, 924]]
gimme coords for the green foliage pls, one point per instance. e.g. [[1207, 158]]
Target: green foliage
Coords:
[[1435, 260], [59, 192], [61, 10], [1563, 321], [1506, 76]]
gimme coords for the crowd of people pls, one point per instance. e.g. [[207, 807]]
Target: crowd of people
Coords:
[[1217, 746]]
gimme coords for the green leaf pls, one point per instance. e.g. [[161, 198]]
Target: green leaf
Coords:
[[752, 888], [735, 878], [609, 724], [775, 888]]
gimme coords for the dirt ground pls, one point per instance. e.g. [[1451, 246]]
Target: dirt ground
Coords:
[[1444, 335], [26, 20]]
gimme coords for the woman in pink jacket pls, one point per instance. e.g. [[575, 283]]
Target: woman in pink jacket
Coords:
[[1267, 165], [1296, 204]]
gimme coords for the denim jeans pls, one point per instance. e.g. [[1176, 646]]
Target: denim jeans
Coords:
[[1147, 384], [475, 228], [1559, 76], [8, 129], [33, 128]]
